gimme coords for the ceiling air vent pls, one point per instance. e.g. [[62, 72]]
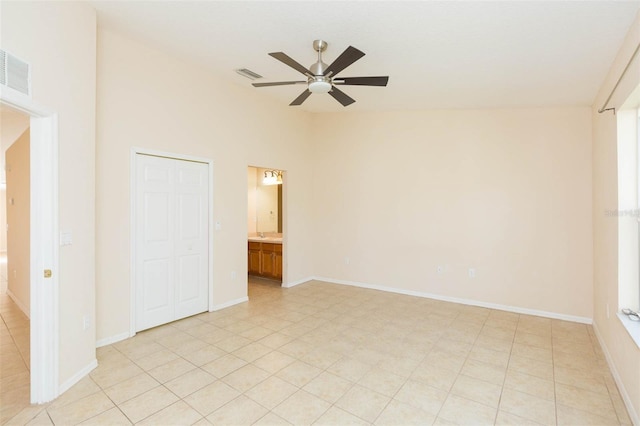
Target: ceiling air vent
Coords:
[[248, 73], [14, 73]]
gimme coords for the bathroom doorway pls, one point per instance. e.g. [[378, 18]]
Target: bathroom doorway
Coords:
[[265, 225]]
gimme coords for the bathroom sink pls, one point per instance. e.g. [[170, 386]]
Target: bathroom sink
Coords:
[[266, 239]]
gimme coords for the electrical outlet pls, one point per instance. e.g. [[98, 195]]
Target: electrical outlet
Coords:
[[233, 275], [607, 310], [85, 322], [472, 272], [440, 269], [347, 261]]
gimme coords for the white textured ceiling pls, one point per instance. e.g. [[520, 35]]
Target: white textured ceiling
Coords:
[[472, 54]]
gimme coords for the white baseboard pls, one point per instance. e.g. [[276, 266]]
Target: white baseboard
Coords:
[[77, 377], [113, 339], [17, 301], [229, 303], [516, 309], [635, 419], [298, 282]]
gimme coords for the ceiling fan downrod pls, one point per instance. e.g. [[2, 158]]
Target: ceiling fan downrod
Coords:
[[319, 83], [319, 67]]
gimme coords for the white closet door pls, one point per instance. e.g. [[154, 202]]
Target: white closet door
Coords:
[[171, 240], [191, 233]]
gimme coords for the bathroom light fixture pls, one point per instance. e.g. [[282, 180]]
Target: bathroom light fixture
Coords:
[[272, 177]]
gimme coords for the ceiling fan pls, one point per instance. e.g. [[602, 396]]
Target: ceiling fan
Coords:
[[321, 78]]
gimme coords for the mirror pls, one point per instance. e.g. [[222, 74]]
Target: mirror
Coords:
[[264, 202]]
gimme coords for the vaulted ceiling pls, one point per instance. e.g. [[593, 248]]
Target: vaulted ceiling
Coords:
[[438, 54]]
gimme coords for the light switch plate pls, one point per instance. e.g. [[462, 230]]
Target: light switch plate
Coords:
[[66, 238]]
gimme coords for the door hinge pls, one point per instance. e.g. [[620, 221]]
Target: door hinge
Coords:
[[47, 273]]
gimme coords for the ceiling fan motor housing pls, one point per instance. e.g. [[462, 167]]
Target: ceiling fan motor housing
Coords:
[[318, 68], [319, 84]]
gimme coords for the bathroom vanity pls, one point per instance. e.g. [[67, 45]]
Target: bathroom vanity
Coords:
[[265, 257]]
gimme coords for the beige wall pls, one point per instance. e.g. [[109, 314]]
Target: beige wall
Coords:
[[152, 100], [506, 192], [252, 183], [18, 218], [3, 222], [623, 353], [60, 45], [12, 125]]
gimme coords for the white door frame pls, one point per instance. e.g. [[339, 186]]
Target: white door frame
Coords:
[[132, 229], [44, 303]]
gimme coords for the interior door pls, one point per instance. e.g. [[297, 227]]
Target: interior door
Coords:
[[191, 233], [171, 239]]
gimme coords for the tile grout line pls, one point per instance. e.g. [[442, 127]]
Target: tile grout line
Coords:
[[506, 370]]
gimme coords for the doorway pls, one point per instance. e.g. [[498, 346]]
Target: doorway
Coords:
[[171, 238], [14, 260], [265, 213], [43, 239]]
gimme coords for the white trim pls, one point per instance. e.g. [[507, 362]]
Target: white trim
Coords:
[[17, 301], [516, 309], [295, 283], [44, 255], [211, 233], [132, 221], [21, 102], [230, 303], [285, 228], [166, 154], [635, 419], [132, 242], [113, 339], [632, 327], [44, 197], [78, 376]]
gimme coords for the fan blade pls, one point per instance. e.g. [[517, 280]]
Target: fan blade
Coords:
[[362, 81], [300, 99], [348, 57], [341, 97], [278, 83], [285, 59]]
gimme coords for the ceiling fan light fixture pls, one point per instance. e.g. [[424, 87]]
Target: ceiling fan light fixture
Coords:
[[319, 86]]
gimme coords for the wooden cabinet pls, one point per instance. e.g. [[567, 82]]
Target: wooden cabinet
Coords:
[[265, 260], [254, 258], [272, 260]]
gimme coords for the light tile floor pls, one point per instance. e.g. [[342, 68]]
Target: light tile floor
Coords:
[[327, 354], [14, 359]]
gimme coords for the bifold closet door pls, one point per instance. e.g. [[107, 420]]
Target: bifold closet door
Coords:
[[171, 219]]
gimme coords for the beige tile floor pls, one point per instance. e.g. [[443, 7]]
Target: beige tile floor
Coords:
[[14, 359], [327, 354]]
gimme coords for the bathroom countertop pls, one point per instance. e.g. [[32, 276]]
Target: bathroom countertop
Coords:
[[274, 239]]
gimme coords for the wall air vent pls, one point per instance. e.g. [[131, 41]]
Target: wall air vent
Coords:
[[14, 73], [248, 73]]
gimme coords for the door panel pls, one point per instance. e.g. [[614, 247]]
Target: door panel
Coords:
[[191, 245], [156, 217], [171, 240], [157, 286], [189, 208]]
